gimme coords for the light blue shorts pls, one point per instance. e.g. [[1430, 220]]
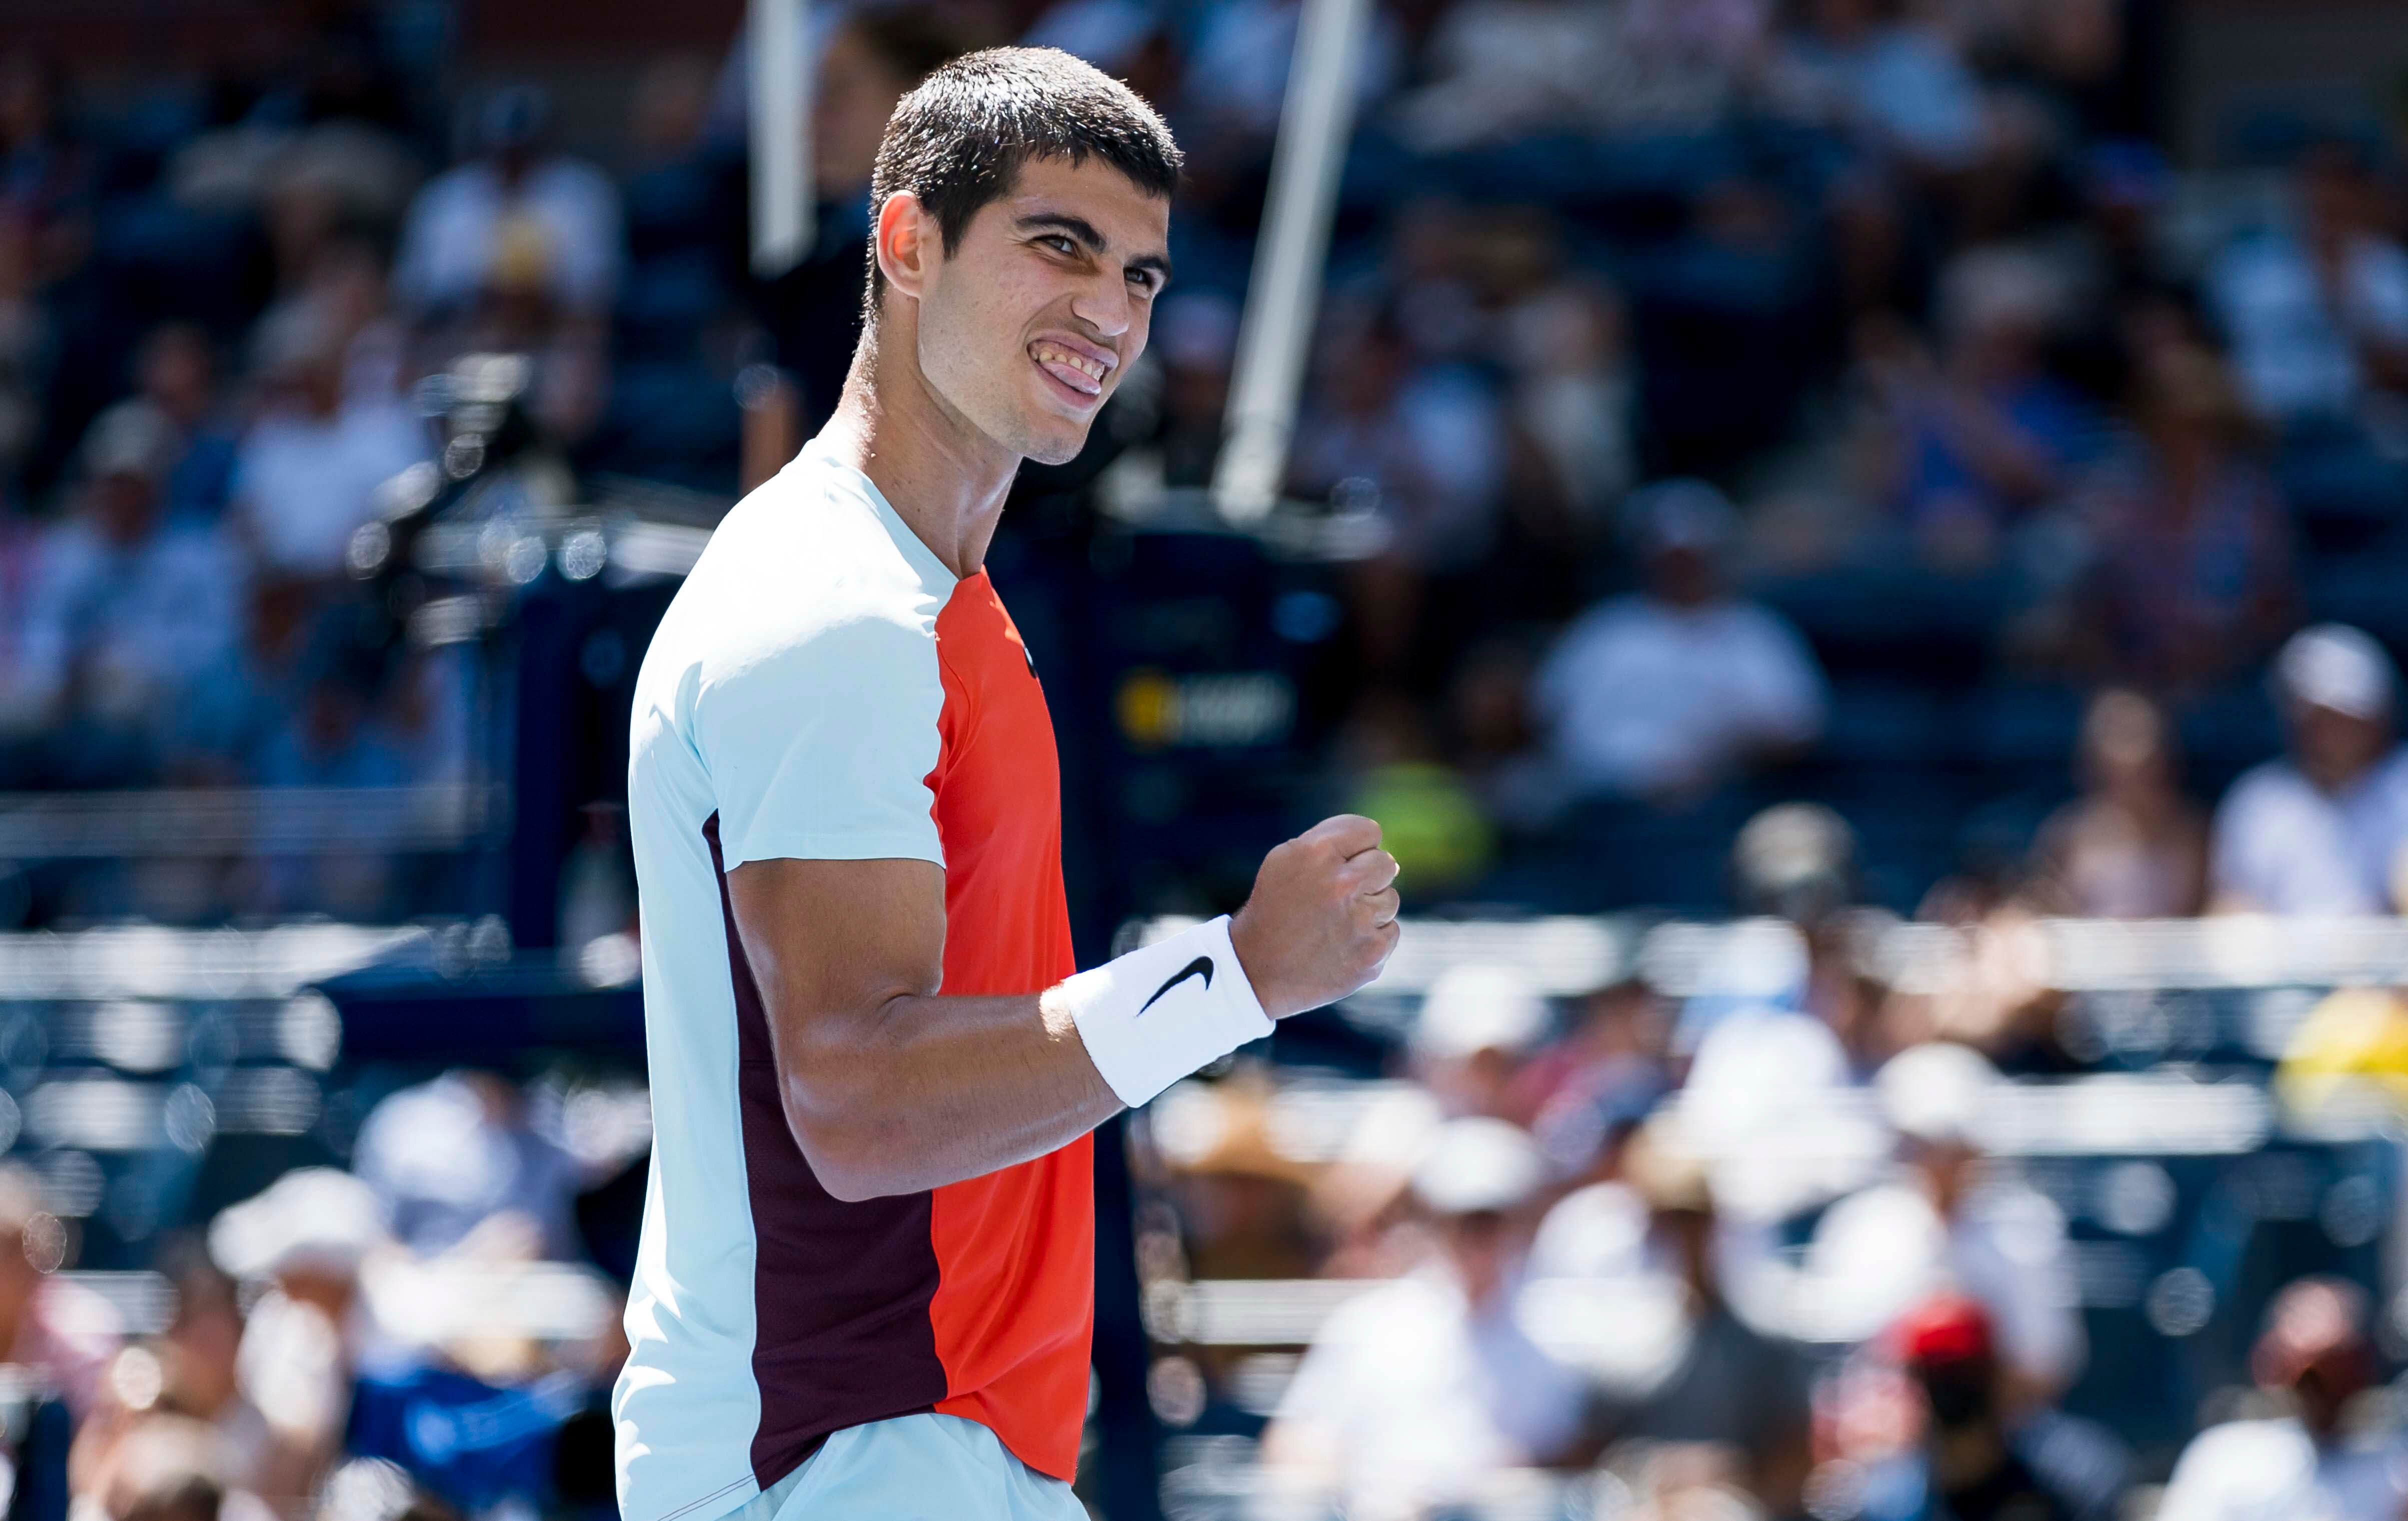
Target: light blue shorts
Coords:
[[914, 1468]]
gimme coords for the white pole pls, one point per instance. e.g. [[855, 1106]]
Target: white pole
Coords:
[[776, 34], [1284, 297]]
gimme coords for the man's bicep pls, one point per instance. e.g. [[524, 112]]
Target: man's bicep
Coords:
[[839, 938]]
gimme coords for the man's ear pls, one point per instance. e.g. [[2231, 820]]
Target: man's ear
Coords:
[[908, 242]]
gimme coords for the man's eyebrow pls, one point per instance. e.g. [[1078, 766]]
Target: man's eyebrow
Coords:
[[1077, 227], [1085, 232]]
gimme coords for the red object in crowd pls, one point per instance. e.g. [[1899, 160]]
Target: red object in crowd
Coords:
[[1944, 1329]]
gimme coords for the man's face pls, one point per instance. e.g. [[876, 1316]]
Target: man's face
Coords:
[[1028, 327], [2334, 748]]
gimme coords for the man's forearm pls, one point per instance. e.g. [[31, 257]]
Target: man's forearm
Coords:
[[927, 1091]]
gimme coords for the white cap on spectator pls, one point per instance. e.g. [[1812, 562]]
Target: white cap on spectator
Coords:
[[314, 1217], [1935, 1093], [2337, 666], [133, 438], [1479, 1164], [1480, 1006]]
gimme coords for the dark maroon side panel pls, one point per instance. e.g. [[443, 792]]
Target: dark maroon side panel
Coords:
[[842, 1290]]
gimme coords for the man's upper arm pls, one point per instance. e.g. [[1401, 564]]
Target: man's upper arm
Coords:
[[836, 939], [819, 743]]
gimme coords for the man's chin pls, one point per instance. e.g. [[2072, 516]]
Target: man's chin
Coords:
[[1055, 448]]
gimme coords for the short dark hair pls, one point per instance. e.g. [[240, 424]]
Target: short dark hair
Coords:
[[957, 142]]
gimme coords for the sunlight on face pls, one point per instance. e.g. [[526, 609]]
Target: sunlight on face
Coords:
[[1030, 325]]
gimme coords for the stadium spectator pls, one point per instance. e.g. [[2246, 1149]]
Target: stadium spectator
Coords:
[[308, 470], [1980, 1459], [1786, 1025], [164, 1468], [1420, 1393], [1794, 868], [2190, 574], [1423, 447], [2313, 1356], [2322, 830], [46, 174], [458, 1157], [517, 311], [515, 203], [1731, 1388], [1986, 434], [1240, 1199], [129, 656], [2319, 312], [1576, 390], [1363, 1201], [176, 372], [1235, 78], [1503, 71], [303, 1241], [1950, 1221], [1478, 1024], [1894, 83], [378, 1489], [1668, 692], [2132, 846], [199, 1374], [1589, 1088]]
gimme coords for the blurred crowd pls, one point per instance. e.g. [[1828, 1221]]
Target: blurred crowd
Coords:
[[1740, 396], [422, 1336], [1753, 1252], [1838, 405]]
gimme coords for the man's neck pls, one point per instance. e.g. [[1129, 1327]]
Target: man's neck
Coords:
[[946, 479]]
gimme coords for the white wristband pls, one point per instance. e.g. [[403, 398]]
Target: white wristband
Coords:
[[1153, 1016]]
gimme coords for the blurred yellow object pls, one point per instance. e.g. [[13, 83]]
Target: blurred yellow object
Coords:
[[1148, 707], [1430, 822], [2353, 1044]]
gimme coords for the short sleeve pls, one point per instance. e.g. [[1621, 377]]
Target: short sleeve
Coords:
[[822, 749]]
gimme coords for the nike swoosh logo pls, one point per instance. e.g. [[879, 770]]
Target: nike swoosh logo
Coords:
[[1200, 967]]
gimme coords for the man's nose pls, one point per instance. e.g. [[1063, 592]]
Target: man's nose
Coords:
[[1104, 304]]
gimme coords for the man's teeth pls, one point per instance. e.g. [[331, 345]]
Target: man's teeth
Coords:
[[1081, 363]]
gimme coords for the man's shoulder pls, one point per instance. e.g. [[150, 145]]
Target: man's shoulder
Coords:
[[799, 592], [2268, 784], [2240, 1452], [804, 554]]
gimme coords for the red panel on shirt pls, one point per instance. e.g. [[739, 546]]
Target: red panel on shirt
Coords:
[[1014, 1303]]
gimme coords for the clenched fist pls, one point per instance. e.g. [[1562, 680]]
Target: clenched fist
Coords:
[[1323, 917]]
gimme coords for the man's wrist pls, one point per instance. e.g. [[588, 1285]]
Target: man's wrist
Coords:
[[1241, 935], [1156, 1014]]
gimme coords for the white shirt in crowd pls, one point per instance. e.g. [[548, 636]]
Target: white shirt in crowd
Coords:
[[2273, 1471], [304, 484], [449, 246], [1879, 1252], [2284, 847], [1420, 1399], [2296, 357], [142, 618], [1639, 696]]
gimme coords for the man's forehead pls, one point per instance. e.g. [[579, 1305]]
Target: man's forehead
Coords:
[[1095, 190]]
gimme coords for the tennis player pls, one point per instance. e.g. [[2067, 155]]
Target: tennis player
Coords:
[[865, 1282]]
